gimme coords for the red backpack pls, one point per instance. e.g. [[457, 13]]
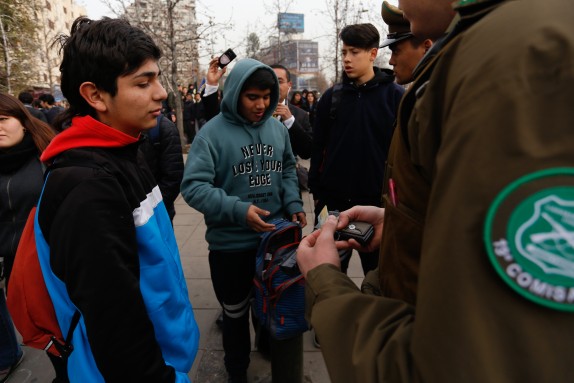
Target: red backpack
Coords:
[[30, 304]]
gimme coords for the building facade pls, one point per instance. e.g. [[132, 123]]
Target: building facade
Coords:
[[53, 18], [174, 29], [301, 57]]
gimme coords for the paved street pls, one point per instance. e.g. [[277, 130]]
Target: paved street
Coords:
[[208, 367]]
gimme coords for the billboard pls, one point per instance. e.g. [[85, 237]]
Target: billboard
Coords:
[[308, 56], [291, 22], [299, 56]]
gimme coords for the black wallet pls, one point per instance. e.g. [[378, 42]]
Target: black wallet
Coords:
[[359, 231]]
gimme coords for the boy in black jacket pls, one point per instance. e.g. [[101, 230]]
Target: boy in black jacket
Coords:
[[353, 130]]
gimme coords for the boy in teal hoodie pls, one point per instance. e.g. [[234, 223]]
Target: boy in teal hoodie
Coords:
[[241, 174]]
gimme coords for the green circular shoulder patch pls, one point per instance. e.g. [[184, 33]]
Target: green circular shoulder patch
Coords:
[[529, 237]]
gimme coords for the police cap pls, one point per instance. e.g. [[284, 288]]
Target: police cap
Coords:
[[399, 27]]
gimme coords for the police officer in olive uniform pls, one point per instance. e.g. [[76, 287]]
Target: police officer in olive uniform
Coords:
[[478, 218], [399, 258], [407, 50]]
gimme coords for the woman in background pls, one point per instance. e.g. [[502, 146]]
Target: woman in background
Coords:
[[22, 139], [311, 107], [296, 99]]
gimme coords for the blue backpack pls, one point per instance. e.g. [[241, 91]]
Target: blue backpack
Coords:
[[279, 285]]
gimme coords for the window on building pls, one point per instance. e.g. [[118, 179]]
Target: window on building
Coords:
[[48, 5], [65, 10], [51, 24]]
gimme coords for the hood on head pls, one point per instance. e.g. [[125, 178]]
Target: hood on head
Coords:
[[234, 83]]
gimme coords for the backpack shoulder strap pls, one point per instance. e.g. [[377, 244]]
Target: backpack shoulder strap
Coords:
[[154, 133], [336, 98], [66, 349]]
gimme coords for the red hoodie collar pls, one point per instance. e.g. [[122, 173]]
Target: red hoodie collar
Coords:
[[86, 132]]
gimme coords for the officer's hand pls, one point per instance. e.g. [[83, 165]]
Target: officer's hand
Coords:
[[254, 220], [283, 111], [319, 248], [300, 217], [369, 214], [214, 73]]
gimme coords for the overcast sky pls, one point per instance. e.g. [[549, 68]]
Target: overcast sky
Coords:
[[245, 16]]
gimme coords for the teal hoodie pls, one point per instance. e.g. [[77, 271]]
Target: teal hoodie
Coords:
[[233, 164]]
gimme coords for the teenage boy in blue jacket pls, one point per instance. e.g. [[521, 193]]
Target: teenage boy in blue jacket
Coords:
[[105, 242], [240, 175]]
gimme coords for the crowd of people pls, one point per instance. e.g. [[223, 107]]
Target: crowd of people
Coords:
[[45, 108], [459, 158]]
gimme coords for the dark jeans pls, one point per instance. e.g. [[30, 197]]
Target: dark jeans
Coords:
[[232, 277], [10, 351], [189, 130], [369, 260]]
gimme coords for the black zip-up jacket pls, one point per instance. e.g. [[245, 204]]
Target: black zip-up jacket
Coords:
[[350, 150], [109, 240], [165, 160], [19, 192]]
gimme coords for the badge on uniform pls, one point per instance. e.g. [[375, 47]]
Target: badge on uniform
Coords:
[[529, 237]]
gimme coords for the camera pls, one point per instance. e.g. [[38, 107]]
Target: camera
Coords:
[[226, 58]]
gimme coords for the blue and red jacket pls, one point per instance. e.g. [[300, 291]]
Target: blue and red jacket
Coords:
[[108, 250]]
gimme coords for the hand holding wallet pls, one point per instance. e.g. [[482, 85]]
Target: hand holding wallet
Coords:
[[361, 232]]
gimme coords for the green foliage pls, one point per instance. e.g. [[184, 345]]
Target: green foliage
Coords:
[[253, 49], [17, 44]]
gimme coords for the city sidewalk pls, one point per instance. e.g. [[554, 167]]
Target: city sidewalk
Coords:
[[208, 367]]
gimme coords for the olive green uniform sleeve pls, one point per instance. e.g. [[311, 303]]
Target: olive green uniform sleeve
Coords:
[[364, 338], [497, 107]]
